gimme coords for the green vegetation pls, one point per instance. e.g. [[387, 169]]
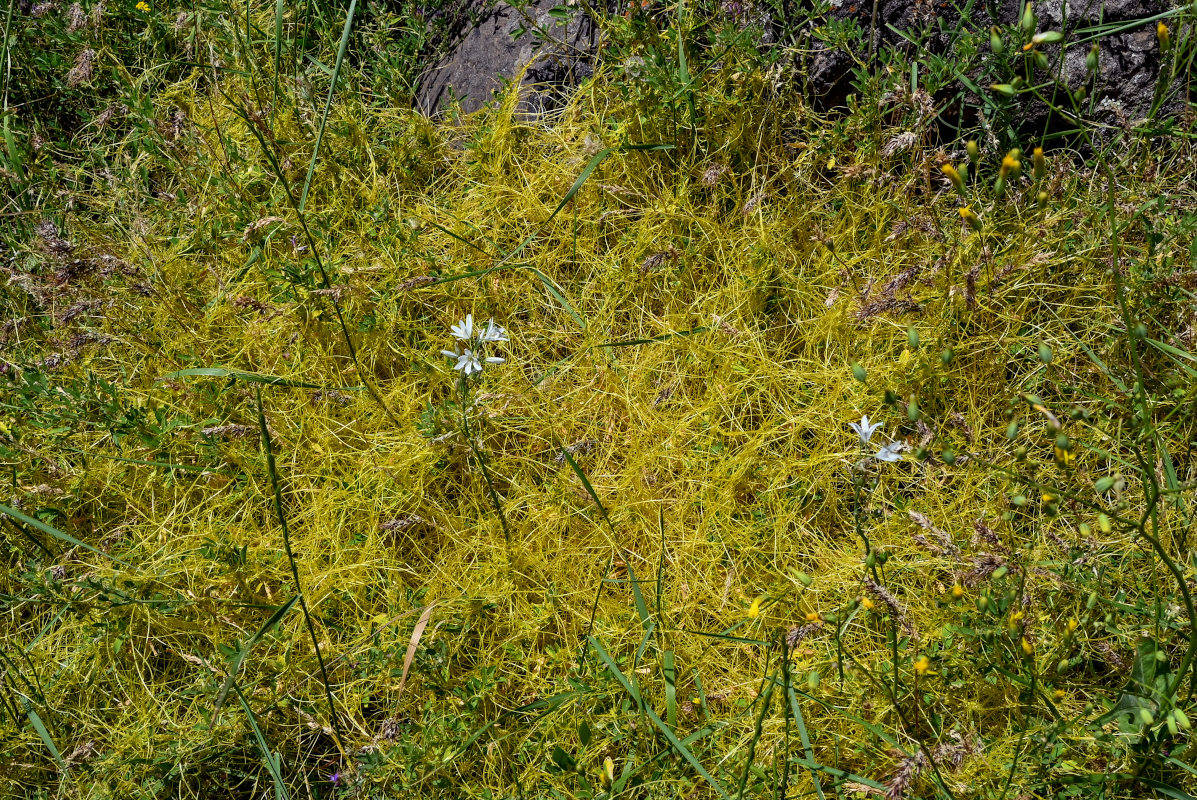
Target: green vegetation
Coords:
[[260, 538]]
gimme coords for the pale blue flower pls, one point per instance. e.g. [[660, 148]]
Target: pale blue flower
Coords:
[[863, 429], [890, 452]]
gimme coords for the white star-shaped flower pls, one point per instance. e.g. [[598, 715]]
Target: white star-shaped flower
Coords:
[[468, 362], [863, 429], [493, 333], [464, 330], [890, 452]]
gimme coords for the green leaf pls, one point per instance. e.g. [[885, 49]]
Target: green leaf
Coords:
[[251, 377], [586, 483], [44, 735], [57, 534], [563, 759], [266, 627], [274, 762], [332, 87]]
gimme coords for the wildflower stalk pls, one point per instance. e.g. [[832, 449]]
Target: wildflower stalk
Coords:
[[252, 122], [889, 452], [1147, 460], [303, 603], [480, 457], [469, 353]]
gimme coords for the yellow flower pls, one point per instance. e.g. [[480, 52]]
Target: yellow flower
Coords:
[[954, 176], [1064, 457], [1060, 694], [754, 610], [867, 603], [1161, 32], [1072, 623], [1010, 164], [1048, 498], [1027, 647], [143, 7], [969, 216], [921, 665], [957, 591], [813, 616]]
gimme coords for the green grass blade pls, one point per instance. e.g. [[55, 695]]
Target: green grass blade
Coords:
[[57, 534], [250, 377], [663, 337], [279, 6], [275, 483], [558, 294], [661, 564], [44, 735], [669, 669], [638, 596], [267, 626], [274, 762], [670, 736], [590, 167], [804, 737], [332, 88], [757, 730], [586, 484]]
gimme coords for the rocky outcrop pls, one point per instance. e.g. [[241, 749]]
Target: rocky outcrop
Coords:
[[553, 52]]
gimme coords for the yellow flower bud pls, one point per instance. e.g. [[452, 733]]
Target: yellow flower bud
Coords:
[[1040, 163], [1027, 647], [921, 665], [967, 214], [754, 610], [957, 591], [867, 603], [1010, 164], [954, 177], [1161, 33]]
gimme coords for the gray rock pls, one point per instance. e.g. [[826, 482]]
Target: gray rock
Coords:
[[559, 53]]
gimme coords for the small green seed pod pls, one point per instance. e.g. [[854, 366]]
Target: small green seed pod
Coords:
[[1027, 22]]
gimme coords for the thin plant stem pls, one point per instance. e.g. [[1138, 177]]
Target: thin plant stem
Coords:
[[303, 604]]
